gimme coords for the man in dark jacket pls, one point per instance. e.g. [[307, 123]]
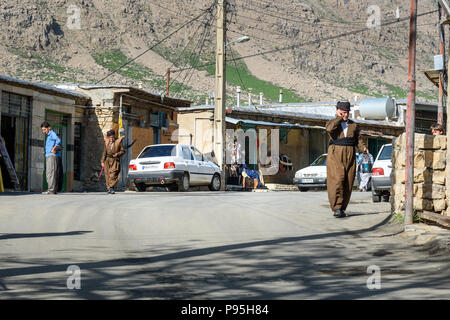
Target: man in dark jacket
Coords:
[[341, 159]]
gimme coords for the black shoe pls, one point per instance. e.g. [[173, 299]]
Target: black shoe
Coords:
[[343, 214], [337, 213], [112, 191], [109, 191]]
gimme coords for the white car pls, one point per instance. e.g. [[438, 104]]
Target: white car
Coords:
[[313, 176], [381, 174], [176, 166]]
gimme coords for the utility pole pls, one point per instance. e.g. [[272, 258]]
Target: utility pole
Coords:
[[220, 94], [167, 81], [410, 117], [440, 118]]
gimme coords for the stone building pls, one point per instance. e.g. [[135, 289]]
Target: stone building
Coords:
[[301, 127], [147, 118], [24, 106]]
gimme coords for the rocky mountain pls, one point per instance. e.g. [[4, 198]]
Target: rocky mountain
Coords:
[[315, 50]]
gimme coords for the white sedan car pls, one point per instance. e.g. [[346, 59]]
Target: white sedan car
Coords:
[[176, 166], [313, 176]]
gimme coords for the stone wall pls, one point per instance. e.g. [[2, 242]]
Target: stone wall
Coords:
[[429, 173]]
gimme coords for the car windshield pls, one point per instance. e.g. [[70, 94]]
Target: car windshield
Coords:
[[158, 151], [385, 154], [320, 161]]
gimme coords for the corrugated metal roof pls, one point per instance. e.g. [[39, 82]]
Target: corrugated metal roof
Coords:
[[121, 86], [42, 86], [294, 112], [275, 124]]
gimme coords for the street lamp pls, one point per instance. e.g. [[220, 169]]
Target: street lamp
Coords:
[[239, 40]]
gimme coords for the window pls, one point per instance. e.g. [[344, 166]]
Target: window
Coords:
[[187, 153], [385, 153], [197, 154], [320, 161], [159, 151], [15, 104]]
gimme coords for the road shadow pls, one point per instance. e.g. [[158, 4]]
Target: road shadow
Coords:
[[5, 236], [310, 266]]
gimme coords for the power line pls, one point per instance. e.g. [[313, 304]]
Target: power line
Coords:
[[237, 69], [286, 18], [199, 45], [159, 42], [281, 11], [318, 40]]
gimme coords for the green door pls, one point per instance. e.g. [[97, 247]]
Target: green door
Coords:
[[375, 145]]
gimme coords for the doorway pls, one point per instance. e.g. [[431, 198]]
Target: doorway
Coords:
[[15, 132]]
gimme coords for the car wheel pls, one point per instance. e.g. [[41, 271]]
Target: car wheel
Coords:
[[386, 198], [302, 189], [140, 187], [215, 183], [376, 198], [183, 186]]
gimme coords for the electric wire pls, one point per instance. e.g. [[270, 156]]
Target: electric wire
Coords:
[[156, 44], [319, 40]]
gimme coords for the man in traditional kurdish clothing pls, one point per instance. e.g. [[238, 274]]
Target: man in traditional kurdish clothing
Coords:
[[341, 159], [111, 160]]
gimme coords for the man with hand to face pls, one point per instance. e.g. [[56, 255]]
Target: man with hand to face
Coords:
[[341, 159]]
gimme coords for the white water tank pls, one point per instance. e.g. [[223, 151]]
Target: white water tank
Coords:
[[377, 108]]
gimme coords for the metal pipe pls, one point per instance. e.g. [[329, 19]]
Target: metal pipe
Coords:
[[238, 96], [445, 6], [410, 117], [440, 116]]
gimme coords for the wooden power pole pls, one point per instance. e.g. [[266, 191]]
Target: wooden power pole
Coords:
[[167, 81], [410, 117], [220, 94]]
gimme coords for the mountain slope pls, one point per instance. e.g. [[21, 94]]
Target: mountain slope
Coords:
[[40, 43]]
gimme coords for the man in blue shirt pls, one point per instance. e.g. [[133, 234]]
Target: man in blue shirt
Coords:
[[52, 152]]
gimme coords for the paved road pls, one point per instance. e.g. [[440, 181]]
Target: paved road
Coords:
[[204, 245]]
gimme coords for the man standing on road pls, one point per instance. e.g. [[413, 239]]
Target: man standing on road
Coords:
[[52, 152], [341, 159], [111, 160]]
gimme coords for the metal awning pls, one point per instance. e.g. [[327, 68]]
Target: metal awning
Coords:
[[273, 124], [433, 76]]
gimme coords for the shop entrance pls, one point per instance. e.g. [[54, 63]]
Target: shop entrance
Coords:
[[15, 131]]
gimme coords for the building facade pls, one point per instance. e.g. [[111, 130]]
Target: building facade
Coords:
[[147, 118], [24, 106]]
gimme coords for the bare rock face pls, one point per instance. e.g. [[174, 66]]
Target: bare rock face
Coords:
[[301, 36]]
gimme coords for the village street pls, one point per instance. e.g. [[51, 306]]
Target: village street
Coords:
[[206, 245]]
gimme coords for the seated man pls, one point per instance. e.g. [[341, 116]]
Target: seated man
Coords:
[[251, 174]]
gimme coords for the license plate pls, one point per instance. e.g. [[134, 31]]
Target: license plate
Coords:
[[149, 166], [307, 180]]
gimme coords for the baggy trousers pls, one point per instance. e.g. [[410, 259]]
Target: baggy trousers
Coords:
[[112, 172], [341, 171], [52, 173]]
